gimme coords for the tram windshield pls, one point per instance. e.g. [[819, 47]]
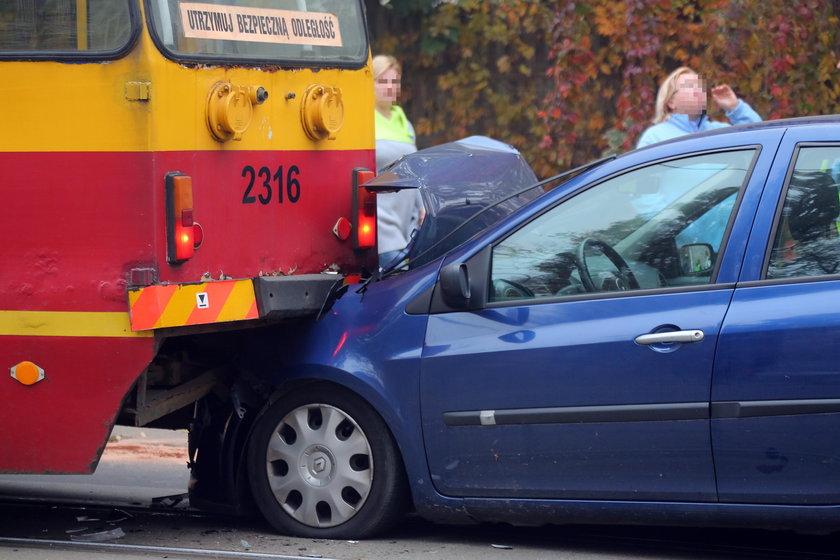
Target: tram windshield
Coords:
[[69, 27]]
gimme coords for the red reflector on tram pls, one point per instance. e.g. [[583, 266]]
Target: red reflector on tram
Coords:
[[187, 218]]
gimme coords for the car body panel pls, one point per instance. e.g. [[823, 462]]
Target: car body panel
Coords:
[[548, 410], [337, 349]]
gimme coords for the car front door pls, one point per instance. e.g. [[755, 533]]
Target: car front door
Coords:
[[776, 390], [587, 373]]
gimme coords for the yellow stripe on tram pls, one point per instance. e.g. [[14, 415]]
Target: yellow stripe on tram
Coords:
[[67, 323]]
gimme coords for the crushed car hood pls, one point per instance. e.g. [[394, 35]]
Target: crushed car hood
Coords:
[[459, 181]]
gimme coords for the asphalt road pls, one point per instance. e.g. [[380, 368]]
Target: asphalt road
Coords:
[[136, 499]]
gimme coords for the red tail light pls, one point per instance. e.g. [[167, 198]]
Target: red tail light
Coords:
[[180, 227], [364, 211]]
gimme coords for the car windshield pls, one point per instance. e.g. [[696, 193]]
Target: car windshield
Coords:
[[281, 32]]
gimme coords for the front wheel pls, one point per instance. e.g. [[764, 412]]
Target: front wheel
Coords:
[[322, 463]]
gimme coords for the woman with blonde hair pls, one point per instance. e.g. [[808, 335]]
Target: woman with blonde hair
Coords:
[[395, 136], [398, 213], [681, 107]]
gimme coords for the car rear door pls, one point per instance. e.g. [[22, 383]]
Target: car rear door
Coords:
[[776, 386]]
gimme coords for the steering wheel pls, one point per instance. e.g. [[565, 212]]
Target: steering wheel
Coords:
[[507, 289], [625, 279]]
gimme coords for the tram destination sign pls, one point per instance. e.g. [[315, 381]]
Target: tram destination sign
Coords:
[[237, 23]]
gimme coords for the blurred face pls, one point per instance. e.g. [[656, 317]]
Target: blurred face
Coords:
[[690, 97], [387, 86]]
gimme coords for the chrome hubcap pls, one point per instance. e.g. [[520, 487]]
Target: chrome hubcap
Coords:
[[319, 465]]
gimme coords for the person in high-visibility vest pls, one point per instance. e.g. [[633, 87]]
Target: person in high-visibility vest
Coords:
[[401, 212]]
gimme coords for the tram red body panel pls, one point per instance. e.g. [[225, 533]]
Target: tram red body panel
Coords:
[[75, 254], [61, 424]]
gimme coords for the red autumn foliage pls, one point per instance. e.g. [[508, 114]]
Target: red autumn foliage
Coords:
[[566, 82]]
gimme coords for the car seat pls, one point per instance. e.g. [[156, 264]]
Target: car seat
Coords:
[[811, 210]]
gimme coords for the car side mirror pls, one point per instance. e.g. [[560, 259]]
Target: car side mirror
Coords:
[[463, 285], [455, 285], [696, 259]]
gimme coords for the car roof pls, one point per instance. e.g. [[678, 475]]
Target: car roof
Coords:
[[813, 120]]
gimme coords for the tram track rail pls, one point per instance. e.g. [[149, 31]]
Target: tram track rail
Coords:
[[661, 546], [178, 552], [96, 517]]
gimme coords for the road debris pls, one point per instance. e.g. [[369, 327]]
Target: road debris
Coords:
[[169, 501], [98, 536]]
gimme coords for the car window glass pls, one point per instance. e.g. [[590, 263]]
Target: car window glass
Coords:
[[806, 240], [707, 227], [657, 226]]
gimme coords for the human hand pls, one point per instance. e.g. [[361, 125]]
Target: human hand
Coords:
[[724, 97]]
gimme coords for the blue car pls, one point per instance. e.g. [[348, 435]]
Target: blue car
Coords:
[[650, 339]]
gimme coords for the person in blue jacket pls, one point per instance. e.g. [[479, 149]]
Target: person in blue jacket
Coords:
[[681, 107]]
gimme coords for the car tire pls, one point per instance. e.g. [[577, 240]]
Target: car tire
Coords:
[[322, 463]]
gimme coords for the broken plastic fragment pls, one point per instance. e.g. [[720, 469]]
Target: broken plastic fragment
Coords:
[[118, 515], [168, 501], [99, 536]]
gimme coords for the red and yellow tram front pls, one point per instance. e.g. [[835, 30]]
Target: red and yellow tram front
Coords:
[[173, 165]]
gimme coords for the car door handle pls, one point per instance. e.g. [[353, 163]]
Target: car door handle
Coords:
[[673, 336]]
